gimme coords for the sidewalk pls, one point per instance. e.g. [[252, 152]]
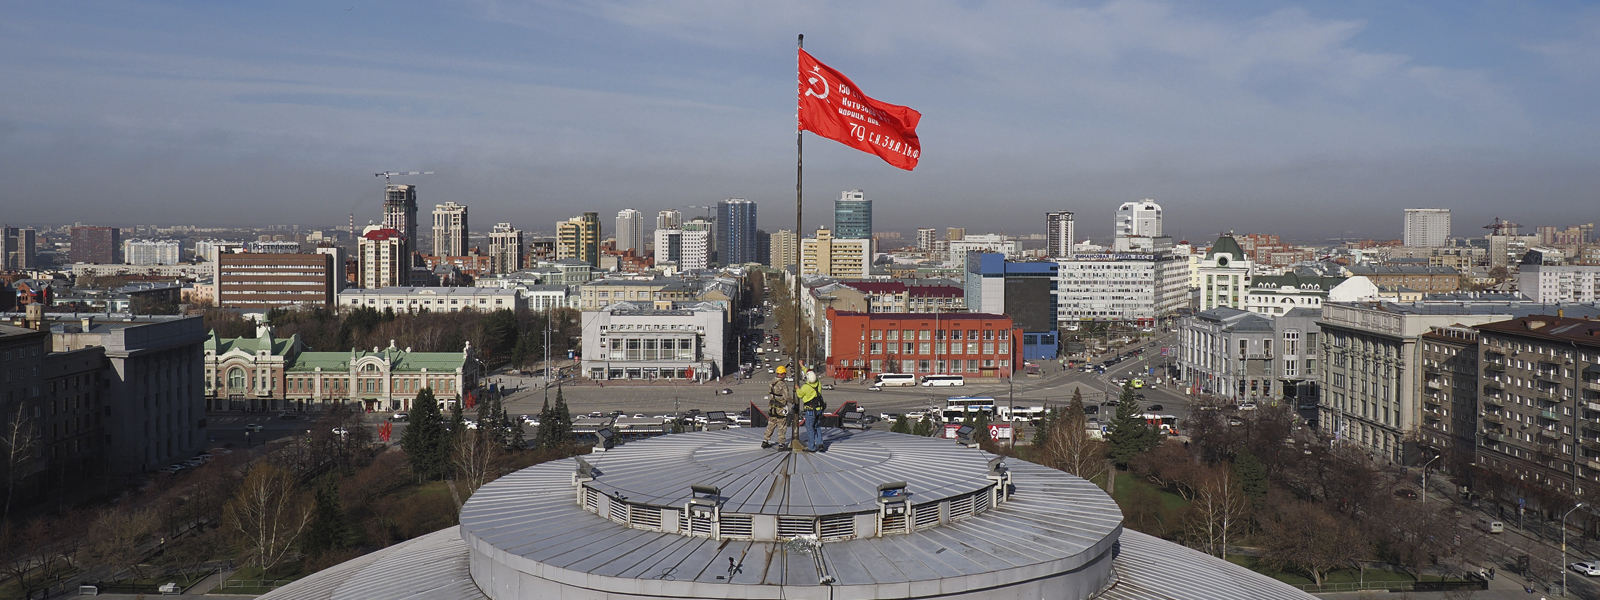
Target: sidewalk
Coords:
[[1504, 586]]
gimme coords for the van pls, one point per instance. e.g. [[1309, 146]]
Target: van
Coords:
[[1491, 526]]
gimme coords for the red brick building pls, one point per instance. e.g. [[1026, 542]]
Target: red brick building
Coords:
[[970, 344]]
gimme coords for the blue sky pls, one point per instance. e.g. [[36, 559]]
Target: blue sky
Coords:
[[1307, 119]]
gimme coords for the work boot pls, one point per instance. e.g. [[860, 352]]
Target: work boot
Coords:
[[765, 444]]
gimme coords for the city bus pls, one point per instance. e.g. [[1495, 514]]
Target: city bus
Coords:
[[966, 404], [1166, 424], [943, 380], [894, 379]]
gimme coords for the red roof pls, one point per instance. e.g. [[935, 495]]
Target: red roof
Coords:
[[382, 234]]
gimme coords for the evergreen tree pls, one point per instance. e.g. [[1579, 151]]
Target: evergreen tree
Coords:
[[901, 425], [542, 431], [980, 428], [1130, 434], [330, 527], [1251, 473], [458, 423], [425, 441], [924, 426], [561, 432], [1041, 434]]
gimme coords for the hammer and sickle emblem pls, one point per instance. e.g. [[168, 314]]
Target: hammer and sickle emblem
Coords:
[[813, 80]]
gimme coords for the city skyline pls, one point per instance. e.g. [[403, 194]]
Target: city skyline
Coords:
[[1311, 119]]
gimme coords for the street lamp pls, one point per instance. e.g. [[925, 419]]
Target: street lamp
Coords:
[[1564, 547], [1425, 477]]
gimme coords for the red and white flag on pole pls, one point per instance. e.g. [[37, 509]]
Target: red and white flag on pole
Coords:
[[833, 107]]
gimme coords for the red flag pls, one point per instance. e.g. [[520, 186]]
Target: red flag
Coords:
[[833, 107]]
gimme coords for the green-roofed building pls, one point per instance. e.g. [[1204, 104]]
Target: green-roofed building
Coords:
[[268, 373]]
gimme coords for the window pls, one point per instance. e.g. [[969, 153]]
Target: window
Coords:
[[877, 334], [894, 334], [236, 378]]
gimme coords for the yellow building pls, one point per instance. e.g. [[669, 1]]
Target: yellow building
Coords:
[[825, 255], [579, 237]]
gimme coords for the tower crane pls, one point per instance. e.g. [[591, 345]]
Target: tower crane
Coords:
[[708, 209], [387, 174], [1499, 227]]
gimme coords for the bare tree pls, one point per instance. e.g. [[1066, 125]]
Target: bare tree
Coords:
[[1071, 448], [474, 457], [1303, 536], [1219, 509], [19, 444], [119, 533], [267, 515]]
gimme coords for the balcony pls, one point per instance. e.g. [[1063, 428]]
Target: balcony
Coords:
[[1592, 444], [1592, 385], [1432, 416], [1549, 378], [1493, 437], [1549, 415], [1550, 434], [1592, 464], [1494, 367], [1493, 401], [1494, 418], [1434, 385], [1432, 399]]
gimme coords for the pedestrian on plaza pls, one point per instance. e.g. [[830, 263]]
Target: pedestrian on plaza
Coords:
[[777, 409], [810, 396]]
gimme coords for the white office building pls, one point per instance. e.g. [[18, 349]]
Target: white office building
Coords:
[[1123, 287], [669, 219], [654, 340], [689, 248], [432, 299], [1427, 227], [630, 231], [1559, 283], [984, 242], [1139, 219]]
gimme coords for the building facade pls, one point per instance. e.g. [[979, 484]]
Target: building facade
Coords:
[[688, 248], [1136, 288], [385, 257], [861, 345], [832, 257], [505, 248], [736, 232], [985, 242], [1060, 233], [267, 281], [1427, 227], [852, 216], [400, 210], [669, 219], [630, 231], [97, 245], [648, 340], [1139, 219], [1422, 278], [1450, 396], [1559, 283], [1225, 274], [450, 230], [785, 250], [579, 238], [433, 299], [152, 252], [267, 373], [19, 249]]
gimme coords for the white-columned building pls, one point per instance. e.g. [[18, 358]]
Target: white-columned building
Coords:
[[1060, 231], [654, 340], [505, 248], [630, 231], [152, 252], [1427, 227], [432, 299], [450, 230]]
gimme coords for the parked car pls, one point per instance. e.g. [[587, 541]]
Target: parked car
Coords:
[[1091, 410], [253, 428], [341, 432], [288, 415], [875, 388], [399, 416], [1247, 406], [827, 386], [1589, 568], [1405, 493], [1154, 407]]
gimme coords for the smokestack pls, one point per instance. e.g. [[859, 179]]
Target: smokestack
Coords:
[[87, 322]]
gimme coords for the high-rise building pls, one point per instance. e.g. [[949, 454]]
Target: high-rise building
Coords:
[[267, 281], [630, 231], [385, 258], [783, 249], [925, 238], [505, 248], [400, 210], [1427, 227], [98, 245], [18, 252], [579, 237], [764, 247], [736, 232], [152, 252], [689, 247], [1060, 232], [954, 234], [831, 257], [450, 230], [1139, 219], [852, 216], [669, 219]]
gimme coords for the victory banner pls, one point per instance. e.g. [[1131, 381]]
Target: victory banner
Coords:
[[833, 107]]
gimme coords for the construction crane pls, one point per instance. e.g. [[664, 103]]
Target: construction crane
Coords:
[[708, 209], [1499, 227], [387, 174]]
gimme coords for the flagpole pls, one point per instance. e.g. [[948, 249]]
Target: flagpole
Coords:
[[799, 161]]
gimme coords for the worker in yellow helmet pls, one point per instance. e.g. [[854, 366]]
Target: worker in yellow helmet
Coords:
[[777, 410]]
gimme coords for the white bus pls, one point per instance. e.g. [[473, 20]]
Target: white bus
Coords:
[[895, 379], [965, 404], [943, 380]]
